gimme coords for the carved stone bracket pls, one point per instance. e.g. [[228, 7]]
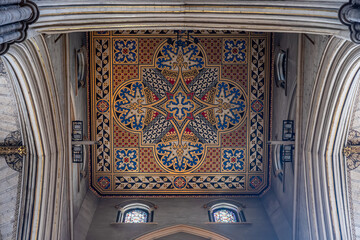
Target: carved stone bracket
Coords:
[[15, 17], [349, 14], [8, 150], [13, 151], [352, 150]]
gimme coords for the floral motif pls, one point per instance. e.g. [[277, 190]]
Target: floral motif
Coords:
[[125, 51], [180, 106], [126, 160], [230, 107], [234, 51], [180, 157], [233, 160], [180, 55], [129, 106]]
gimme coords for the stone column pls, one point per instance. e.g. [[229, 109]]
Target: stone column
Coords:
[[349, 14], [15, 16]]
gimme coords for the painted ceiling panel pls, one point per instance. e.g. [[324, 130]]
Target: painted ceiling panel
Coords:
[[177, 114]]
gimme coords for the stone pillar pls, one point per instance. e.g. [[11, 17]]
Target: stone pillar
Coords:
[[349, 14], [15, 16]]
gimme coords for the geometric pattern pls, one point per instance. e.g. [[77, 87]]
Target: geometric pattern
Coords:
[[212, 47], [104, 182], [255, 181], [176, 116], [236, 72], [123, 138], [122, 73], [212, 161], [147, 47], [150, 164], [235, 138], [257, 93]]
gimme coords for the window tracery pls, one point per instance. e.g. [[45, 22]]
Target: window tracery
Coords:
[[225, 215], [136, 216], [136, 212]]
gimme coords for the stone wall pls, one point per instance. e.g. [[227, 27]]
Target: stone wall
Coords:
[[173, 211], [10, 180]]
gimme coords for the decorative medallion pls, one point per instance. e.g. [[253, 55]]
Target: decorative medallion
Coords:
[[125, 51], [234, 51], [13, 151], [104, 182], [102, 106], [179, 182], [255, 181]]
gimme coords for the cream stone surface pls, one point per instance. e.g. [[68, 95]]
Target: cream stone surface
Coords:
[[10, 180]]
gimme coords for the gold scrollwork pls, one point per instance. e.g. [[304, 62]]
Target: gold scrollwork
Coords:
[[8, 150]]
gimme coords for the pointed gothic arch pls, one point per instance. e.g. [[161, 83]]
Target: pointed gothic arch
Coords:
[[167, 231], [322, 164], [45, 168]]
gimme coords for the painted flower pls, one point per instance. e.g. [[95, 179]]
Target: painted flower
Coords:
[[235, 50], [233, 160], [126, 160], [125, 51]]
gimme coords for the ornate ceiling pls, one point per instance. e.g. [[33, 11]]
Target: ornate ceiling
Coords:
[[179, 115]]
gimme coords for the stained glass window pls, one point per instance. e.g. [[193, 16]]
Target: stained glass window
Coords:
[[136, 216], [225, 216]]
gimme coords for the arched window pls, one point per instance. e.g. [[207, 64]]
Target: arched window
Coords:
[[226, 213], [135, 213]]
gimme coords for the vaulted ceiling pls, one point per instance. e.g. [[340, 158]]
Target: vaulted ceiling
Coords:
[[179, 114]]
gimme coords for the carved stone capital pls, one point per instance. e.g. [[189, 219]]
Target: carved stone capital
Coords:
[[349, 15], [15, 17]]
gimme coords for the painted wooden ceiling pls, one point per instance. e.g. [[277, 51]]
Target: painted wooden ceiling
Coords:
[[178, 114]]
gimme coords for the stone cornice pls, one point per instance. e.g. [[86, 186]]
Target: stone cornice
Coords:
[[270, 16]]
